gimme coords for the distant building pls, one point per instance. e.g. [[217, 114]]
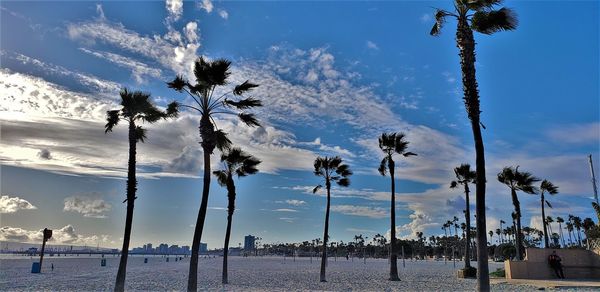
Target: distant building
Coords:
[[235, 251], [149, 248], [249, 242], [185, 249], [203, 248], [163, 248]]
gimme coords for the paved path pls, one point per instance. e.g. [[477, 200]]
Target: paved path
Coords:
[[565, 284]]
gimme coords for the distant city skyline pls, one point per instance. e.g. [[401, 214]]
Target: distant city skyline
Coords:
[[332, 91]]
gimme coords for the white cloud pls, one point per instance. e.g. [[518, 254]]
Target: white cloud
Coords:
[[576, 133], [373, 46], [285, 210], [327, 149], [64, 235], [426, 18], [449, 77], [100, 11], [138, 69], [206, 5], [14, 204], [87, 206], [363, 211], [224, 14], [296, 202], [174, 9], [190, 31]]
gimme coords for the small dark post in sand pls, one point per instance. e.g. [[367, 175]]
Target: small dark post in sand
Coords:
[[47, 235], [403, 261]]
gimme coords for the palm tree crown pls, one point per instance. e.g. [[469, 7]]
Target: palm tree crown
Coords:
[[332, 170], [138, 107], [464, 175], [390, 144], [236, 162]]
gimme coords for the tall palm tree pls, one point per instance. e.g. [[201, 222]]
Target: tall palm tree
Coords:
[[136, 108], [480, 16], [390, 144], [464, 177], [331, 169], [550, 188], [560, 221], [210, 77], [597, 209], [502, 222], [236, 163], [517, 181], [491, 233]]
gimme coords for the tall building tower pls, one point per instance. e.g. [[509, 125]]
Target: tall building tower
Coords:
[[249, 242]]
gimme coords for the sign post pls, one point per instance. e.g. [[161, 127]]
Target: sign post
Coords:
[[37, 267]]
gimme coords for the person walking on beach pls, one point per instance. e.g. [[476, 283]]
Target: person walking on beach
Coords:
[[52, 266], [555, 263]]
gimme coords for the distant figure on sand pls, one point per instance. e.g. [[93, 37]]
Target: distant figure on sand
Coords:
[[52, 266], [555, 263]]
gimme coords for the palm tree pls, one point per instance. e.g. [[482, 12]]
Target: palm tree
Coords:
[[390, 144], [522, 181], [560, 220], [546, 187], [331, 169], [491, 233], [569, 225], [137, 107], [587, 225], [501, 222], [465, 176], [210, 76], [548, 222], [578, 224], [597, 209], [236, 163], [480, 16]]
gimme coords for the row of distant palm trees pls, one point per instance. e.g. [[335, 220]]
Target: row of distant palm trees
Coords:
[[574, 226]]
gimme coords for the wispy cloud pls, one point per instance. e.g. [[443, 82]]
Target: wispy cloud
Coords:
[[64, 235], [373, 46], [363, 211], [138, 69]]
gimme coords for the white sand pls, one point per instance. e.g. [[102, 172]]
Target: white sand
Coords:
[[84, 273]]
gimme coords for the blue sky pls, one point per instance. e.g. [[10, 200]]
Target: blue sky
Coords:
[[332, 75]]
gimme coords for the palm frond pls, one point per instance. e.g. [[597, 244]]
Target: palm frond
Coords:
[[221, 177], [249, 119], [407, 154], [548, 203], [383, 166], [243, 103], [453, 184], [489, 22], [316, 189], [440, 19], [244, 87], [477, 5], [172, 110], [139, 134], [249, 166], [218, 71], [221, 140], [344, 182], [549, 187], [178, 83], [112, 119]]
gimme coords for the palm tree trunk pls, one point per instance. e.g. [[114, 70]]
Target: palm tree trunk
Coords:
[[468, 232], [226, 247], [393, 255], [518, 233], [560, 233], [546, 243], [131, 189], [466, 45], [230, 209], [208, 145], [579, 236], [325, 233]]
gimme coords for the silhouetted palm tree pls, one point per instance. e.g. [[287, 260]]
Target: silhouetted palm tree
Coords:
[[464, 177], [236, 163], [137, 108], [546, 187], [569, 225], [331, 169], [517, 181], [210, 76], [578, 224], [491, 233], [480, 16], [597, 209], [548, 222], [587, 225], [560, 221], [390, 144]]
